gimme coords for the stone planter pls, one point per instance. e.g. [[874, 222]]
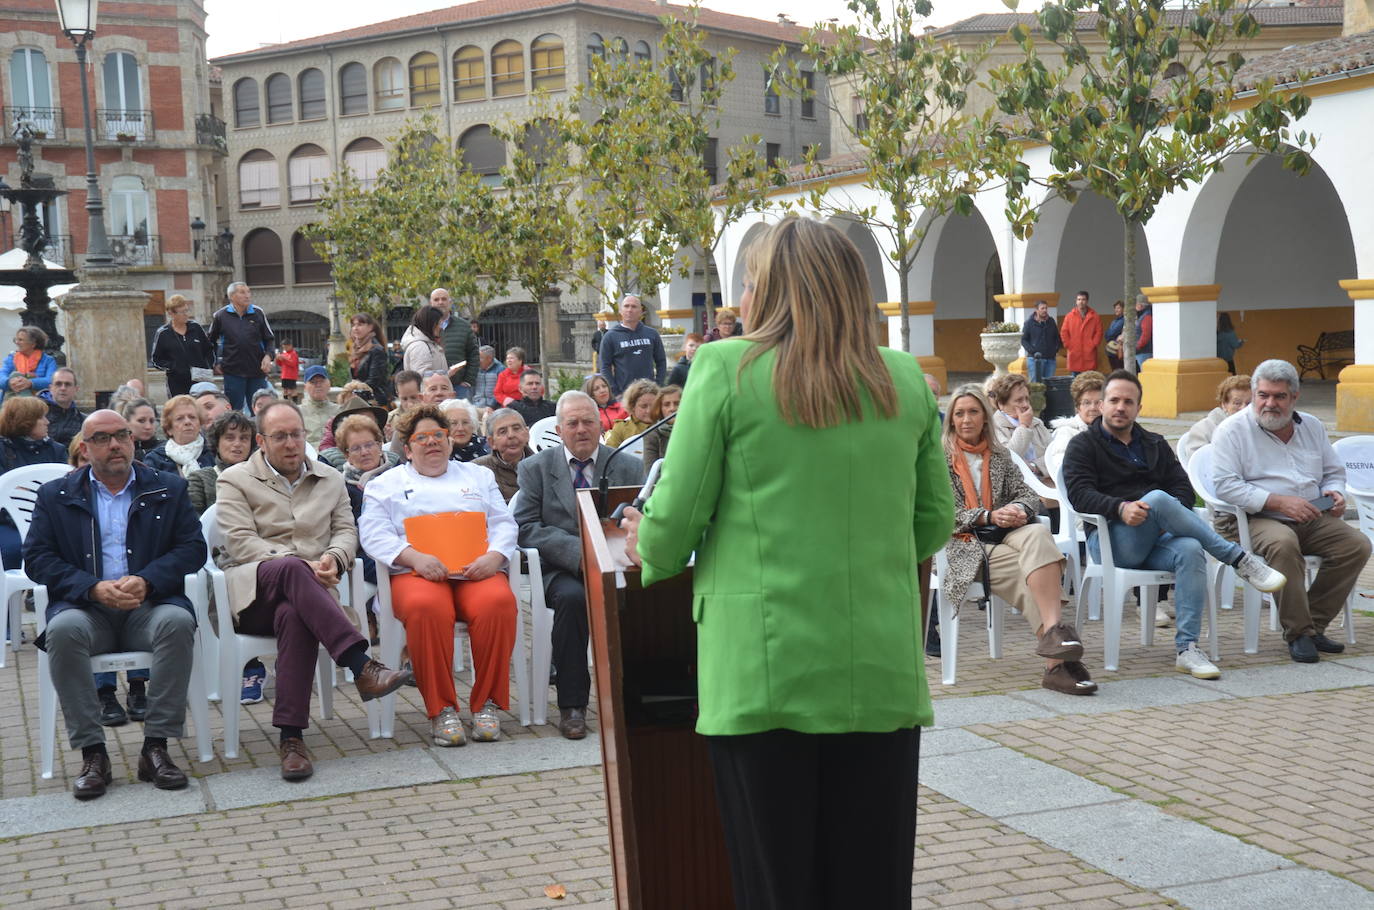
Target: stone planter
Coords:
[[1000, 349]]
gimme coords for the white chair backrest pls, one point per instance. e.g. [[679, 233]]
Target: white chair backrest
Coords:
[[1357, 452], [310, 452], [1183, 455], [634, 446], [544, 434], [1200, 469], [1035, 483], [19, 491], [214, 537]]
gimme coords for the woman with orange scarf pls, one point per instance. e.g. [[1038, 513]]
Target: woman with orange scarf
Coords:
[[995, 527], [28, 370]]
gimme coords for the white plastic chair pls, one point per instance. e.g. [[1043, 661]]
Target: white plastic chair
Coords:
[[18, 493], [949, 619], [1357, 453], [1200, 472], [1067, 538], [544, 434], [196, 702], [531, 590], [235, 650], [311, 453], [1090, 573]]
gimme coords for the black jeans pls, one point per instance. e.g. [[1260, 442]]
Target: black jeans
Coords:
[[565, 595], [819, 821]]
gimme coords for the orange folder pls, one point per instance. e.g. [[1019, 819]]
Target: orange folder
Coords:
[[456, 538]]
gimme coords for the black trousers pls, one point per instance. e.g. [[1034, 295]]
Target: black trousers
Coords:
[[565, 595], [819, 821]]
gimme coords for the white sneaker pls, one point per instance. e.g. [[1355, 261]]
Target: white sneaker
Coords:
[[1259, 574], [446, 729], [1162, 618], [1195, 662]]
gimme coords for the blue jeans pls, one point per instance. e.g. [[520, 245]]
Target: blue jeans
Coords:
[[1140, 361], [111, 680], [1171, 539], [240, 389], [1039, 369]]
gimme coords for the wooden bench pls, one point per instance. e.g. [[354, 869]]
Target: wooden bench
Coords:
[[1332, 350]]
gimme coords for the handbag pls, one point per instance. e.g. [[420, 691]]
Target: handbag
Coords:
[[991, 533]]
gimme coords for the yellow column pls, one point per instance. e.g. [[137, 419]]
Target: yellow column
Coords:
[[1185, 371], [1017, 308], [1355, 390], [921, 318]]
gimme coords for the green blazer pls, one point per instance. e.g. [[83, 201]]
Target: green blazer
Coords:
[[806, 599]]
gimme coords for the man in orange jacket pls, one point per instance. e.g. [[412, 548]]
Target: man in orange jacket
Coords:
[[1081, 332]]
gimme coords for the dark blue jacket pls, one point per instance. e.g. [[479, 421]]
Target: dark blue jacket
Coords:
[[159, 460], [62, 548], [1040, 339]]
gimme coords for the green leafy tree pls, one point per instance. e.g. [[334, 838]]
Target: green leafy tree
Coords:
[[923, 152], [1153, 112]]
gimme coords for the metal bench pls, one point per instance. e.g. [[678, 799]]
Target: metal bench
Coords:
[[1332, 350]]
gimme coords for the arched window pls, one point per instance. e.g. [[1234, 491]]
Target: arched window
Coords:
[[424, 80], [642, 52], [352, 89], [469, 74], [595, 48], [311, 85], [32, 88], [547, 69], [483, 153], [540, 140], [389, 82], [262, 263], [365, 158], [278, 98], [308, 265], [247, 109], [507, 69], [259, 185], [129, 208], [306, 171], [123, 113]]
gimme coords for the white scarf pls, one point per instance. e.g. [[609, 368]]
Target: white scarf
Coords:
[[186, 456]]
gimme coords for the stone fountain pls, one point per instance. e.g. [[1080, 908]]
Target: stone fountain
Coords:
[[34, 277]]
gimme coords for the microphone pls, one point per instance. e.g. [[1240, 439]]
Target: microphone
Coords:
[[642, 496], [604, 487]]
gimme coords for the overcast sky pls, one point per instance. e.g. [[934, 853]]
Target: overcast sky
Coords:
[[243, 25]]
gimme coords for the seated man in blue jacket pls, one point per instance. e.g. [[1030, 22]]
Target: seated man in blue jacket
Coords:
[[125, 593]]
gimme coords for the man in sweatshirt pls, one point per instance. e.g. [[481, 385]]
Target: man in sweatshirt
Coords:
[[1040, 339], [631, 350]]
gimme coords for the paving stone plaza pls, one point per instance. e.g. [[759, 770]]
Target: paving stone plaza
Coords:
[[1248, 792]]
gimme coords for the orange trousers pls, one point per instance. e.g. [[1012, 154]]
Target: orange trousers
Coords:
[[429, 609]]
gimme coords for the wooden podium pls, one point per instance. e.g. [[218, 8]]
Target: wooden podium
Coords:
[[667, 847]]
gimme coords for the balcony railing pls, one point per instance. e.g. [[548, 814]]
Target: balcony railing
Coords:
[[114, 125], [216, 251], [210, 132], [58, 249], [46, 122], [135, 249]]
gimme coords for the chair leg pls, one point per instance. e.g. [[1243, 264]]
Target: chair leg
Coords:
[[1113, 604], [520, 657], [230, 663], [14, 632], [997, 610], [542, 630], [1349, 620], [199, 704], [47, 717], [1149, 603], [1253, 604], [324, 673], [949, 644]]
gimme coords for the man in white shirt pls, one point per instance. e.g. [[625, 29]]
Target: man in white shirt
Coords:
[[1276, 463]]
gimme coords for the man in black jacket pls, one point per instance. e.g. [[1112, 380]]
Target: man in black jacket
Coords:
[[245, 347], [532, 406], [460, 344], [113, 543], [64, 419], [1121, 470]]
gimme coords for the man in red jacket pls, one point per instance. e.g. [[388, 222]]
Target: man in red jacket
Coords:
[[1081, 332]]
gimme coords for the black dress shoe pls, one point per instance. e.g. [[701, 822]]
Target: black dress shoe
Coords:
[[1326, 645], [111, 711], [93, 778], [1304, 650], [138, 706], [572, 723], [155, 766]]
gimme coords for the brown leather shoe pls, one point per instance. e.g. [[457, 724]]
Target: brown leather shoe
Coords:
[[93, 778], [376, 680], [572, 723], [295, 761], [156, 767]]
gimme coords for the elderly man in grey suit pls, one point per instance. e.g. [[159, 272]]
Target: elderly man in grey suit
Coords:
[[547, 515]]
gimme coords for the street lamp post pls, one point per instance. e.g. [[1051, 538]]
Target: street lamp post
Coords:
[[78, 24]]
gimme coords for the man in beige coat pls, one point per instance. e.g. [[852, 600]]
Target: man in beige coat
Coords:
[[289, 537]]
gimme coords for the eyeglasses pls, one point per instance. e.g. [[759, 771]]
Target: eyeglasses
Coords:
[[279, 438], [428, 436], [103, 439], [364, 447]]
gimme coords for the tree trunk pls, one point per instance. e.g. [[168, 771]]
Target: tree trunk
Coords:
[[903, 283], [708, 320], [1128, 334]]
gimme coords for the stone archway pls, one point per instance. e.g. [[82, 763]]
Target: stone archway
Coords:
[[958, 255]]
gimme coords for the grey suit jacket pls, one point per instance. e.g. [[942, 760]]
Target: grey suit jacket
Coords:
[[547, 510]]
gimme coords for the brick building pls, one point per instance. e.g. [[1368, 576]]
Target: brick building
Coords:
[[158, 135], [300, 109]]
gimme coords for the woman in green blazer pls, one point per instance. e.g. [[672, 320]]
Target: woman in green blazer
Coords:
[[807, 476]]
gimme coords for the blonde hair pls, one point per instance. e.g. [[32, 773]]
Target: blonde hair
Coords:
[[1231, 384], [176, 302], [19, 415], [354, 385], [947, 435], [812, 303], [637, 390], [169, 410], [356, 423], [1000, 388], [1085, 382]]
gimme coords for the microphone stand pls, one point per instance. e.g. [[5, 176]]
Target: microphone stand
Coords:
[[604, 486]]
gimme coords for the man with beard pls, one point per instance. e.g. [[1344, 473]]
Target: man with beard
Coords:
[[1276, 463]]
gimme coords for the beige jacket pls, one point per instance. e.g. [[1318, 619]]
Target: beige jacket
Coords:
[[260, 520]]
